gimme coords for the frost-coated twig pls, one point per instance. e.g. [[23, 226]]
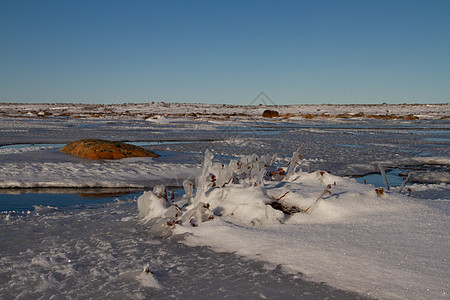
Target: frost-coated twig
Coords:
[[283, 196], [383, 174], [296, 156], [405, 181], [272, 161], [325, 191]]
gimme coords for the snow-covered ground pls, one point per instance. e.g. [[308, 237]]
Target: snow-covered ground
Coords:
[[153, 111], [358, 243]]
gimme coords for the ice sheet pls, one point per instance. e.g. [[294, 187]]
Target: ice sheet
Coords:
[[46, 167]]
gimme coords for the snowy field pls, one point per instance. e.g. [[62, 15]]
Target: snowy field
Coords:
[[261, 220]]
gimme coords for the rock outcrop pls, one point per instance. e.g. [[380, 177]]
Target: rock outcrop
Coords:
[[270, 114], [101, 149]]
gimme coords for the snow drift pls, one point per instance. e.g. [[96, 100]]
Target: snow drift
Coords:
[[329, 228]]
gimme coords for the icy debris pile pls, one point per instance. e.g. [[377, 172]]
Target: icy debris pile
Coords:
[[255, 191], [236, 190]]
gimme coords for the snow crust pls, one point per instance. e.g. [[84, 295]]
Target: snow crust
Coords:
[[50, 168], [102, 253]]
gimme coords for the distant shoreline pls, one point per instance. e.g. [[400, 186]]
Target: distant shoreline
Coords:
[[147, 111]]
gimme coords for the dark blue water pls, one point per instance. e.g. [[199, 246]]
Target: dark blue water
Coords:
[[25, 201], [438, 139], [393, 178]]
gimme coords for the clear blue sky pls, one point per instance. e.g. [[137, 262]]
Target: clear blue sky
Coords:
[[360, 51]]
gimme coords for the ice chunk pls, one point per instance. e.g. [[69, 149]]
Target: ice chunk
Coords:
[[188, 189], [198, 214], [151, 206]]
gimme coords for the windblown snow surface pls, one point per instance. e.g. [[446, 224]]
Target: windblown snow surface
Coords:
[[225, 238]]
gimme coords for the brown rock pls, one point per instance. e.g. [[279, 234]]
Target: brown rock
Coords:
[[358, 115], [309, 116], [343, 116], [100, 149], [270, 113], [410, 117]]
